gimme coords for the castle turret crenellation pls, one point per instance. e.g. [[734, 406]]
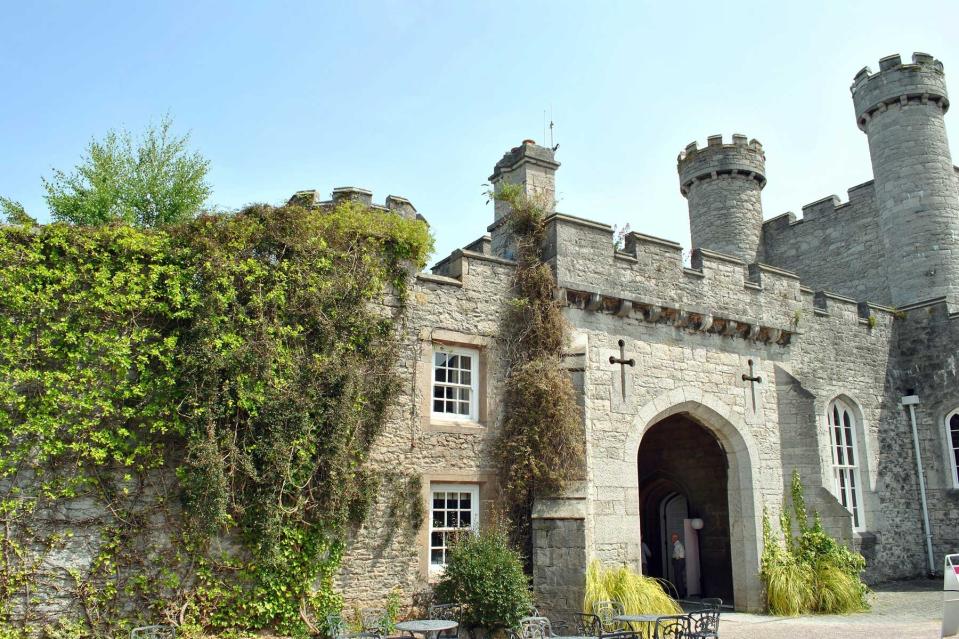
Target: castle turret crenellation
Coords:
[[722, 184], [923, 81], [901, 110]]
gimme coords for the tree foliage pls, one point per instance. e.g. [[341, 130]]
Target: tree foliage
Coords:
[[541, 441], [250, 354], [150, 181]]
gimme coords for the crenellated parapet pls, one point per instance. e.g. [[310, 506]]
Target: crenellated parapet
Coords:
[[742, 158], [895, 84], [312, 198]]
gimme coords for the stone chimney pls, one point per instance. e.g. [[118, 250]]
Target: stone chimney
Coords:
[[531, 166]]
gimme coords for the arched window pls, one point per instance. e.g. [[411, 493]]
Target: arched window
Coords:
[[952, 438], [845, 459]]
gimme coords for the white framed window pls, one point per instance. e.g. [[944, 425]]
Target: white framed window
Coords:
[[952, 441], [455, 387], [845, 459], [454, 510]]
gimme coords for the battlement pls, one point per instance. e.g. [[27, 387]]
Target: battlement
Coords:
[[740, 158], [311, 198], [823, 207], [923, 81]]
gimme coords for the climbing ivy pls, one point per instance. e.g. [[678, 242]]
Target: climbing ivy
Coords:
[[540, 447], [198, 402]]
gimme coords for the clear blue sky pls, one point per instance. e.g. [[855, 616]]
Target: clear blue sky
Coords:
[[420, 99]]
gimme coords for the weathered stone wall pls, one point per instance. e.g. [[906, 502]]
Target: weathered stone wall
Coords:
[[929, 346], [465, 306], [834, 246]]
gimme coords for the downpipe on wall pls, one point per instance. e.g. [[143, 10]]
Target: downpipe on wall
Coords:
[[910, 402]]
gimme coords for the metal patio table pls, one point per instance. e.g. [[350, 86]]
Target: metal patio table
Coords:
[[426, 627]]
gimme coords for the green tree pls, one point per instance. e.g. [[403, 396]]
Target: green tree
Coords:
[[150, 181], [14, 213]]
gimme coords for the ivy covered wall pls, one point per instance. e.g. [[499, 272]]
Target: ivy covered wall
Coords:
[[187, 414]]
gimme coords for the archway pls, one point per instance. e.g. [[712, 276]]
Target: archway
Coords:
[[682, 471]]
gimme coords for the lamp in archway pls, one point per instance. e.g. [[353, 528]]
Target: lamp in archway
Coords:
[[696, 524]]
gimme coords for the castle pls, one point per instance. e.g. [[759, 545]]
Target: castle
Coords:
[[825, 344]]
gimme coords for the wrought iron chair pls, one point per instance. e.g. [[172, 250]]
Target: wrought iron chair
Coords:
[[335, 626], [449, 612], [704, 623], [374, 622], [153, 632], [606, 611], [586, 626], [672, 627]]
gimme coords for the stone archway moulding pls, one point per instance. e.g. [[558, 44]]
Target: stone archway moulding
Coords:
[[745, 499]]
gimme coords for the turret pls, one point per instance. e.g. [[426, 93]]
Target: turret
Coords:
[[901, 110], [722, 184], [531, 166]]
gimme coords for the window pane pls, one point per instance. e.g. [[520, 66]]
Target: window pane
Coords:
[[437, 407], [466, 519], [465, 378], [440, 374], [454, 377], [452, 500], [452, 521], [464, 394], [466, 500], [956, 454], [439, 359], [450, 392], [464, 408], [436, 540], [453, 361], [450, 407], [437, 391], [466, 362], [436, 556]]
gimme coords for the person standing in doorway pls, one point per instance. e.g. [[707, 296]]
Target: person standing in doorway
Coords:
[[679, 566]]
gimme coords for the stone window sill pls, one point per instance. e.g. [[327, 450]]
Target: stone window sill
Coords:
[[455, 426]]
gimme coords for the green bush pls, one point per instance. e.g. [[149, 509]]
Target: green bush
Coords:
[[485, 574], [811, 572]]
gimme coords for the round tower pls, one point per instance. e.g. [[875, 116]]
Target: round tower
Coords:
[[901, 110], [722, 184]]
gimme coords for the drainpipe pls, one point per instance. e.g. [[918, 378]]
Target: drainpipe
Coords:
[[911, 401]]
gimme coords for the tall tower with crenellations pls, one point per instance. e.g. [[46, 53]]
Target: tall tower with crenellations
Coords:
[[722, 184], [901, 110]]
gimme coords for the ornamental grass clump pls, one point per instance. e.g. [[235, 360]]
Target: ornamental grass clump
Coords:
[[811, 573], [485, 574], [637, 593]]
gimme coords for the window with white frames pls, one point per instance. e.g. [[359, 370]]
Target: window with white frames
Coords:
[[455, 382], [952, 438], [454, 510], [845, 459]]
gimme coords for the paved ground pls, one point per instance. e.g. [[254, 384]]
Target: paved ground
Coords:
[[900, 610]]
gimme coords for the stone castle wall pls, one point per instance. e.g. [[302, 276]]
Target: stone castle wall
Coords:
[[834, 246]]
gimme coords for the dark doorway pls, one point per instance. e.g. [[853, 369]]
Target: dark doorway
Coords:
[[683, 471]]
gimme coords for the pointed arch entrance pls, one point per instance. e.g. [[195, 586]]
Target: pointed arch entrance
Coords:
[[682, 476], [707, 416]]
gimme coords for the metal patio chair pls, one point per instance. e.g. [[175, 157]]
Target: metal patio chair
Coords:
[[672, 627], [704, 624], [448, 612]]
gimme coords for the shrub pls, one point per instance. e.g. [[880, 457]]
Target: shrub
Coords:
[[485, 574], [637, 593], [811, 572]]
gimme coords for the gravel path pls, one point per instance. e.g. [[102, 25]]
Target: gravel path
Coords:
[[900, 610]]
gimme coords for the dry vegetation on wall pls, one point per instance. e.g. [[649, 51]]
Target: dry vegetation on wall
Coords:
[[186, 413], [541, 443]]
